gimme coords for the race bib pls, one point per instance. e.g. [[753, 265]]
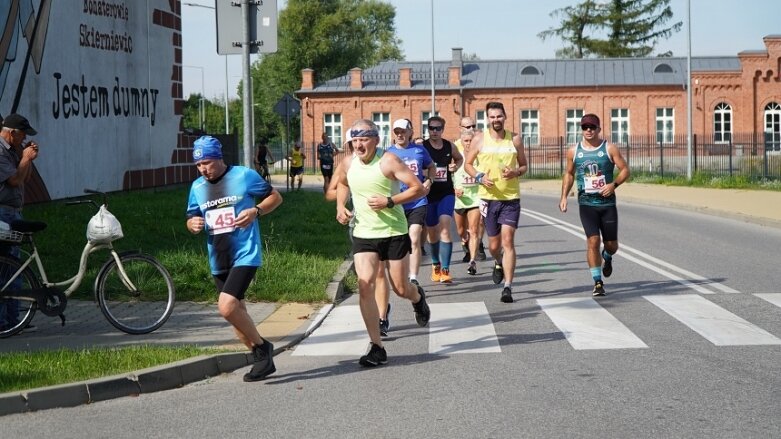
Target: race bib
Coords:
[[468, 181], [483, 208], [412, 165], [326, 166], [441, 173], [219, 221], [593, 184]]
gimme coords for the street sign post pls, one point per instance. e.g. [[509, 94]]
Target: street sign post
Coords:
[[263, 26]]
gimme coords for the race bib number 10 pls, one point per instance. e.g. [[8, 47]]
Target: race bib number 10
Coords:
[[219, 221]]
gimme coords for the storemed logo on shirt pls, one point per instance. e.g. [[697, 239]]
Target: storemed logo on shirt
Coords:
[[220, 202]]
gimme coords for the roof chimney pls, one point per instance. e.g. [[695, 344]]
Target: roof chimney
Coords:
[[307, 79], [458, 58], [405, 77], [356, 79]]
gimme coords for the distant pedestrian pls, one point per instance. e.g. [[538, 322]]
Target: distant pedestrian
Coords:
[[296, 159], [263, 157], [380, 228], [325, 155], [469, 224], [592, 164], [502, 162], [222, 202]]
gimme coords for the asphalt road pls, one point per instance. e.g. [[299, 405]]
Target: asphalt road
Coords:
[[686, 344]]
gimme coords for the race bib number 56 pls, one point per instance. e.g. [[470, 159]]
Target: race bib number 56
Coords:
[[219, 221], [593, 184]]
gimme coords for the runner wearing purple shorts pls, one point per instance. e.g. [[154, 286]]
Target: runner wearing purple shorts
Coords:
[[501, 159]]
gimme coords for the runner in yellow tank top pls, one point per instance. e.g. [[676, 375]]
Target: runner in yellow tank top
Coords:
[[502, 162], [380, 229]]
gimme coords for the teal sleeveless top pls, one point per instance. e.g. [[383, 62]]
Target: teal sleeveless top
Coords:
[[593, 170]]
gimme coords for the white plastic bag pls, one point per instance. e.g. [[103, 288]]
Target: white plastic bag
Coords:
[[103, 227]]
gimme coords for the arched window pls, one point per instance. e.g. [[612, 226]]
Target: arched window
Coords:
[[722, 123], [773, 127], [663, 68], [530, 70]]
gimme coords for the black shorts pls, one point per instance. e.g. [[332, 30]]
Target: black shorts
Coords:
[[327, 170], [464, 210], [296, 171], [235, 281], [602, 219], [393, 248], [416, 215]]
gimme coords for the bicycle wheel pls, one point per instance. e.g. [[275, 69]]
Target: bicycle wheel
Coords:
[[20, 311], [141, 306]]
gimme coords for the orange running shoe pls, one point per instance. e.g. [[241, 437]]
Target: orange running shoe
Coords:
[[444, 276], [436, 272]]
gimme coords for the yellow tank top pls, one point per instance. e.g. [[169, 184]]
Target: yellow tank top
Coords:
[[366, 180], [298, 159], [494, 156]]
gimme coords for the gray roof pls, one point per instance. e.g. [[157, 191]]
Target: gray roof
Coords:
[[552, 73]]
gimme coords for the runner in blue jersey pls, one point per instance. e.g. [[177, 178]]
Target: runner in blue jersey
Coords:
[[420, 163], [222, 203], [592, 163]]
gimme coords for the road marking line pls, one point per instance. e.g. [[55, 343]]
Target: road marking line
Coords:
[[716, 324], [461, 328], [587, 325], [774, 298], [342, 333], [578, 231]]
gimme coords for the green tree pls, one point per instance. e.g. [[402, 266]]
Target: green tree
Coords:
[[214, 115], [328, 36], [633, 28]]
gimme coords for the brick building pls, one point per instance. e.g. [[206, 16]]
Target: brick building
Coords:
[[546, 98]]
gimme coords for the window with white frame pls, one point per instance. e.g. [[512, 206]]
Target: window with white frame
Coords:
[[773, 127], [572, 125], [382, 120], [530, 127], [665, 125], [619, 125], [424, 123], [480, 120], [722, 123], [332, 125]]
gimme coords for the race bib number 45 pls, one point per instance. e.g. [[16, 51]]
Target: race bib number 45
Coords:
[[219, 221]]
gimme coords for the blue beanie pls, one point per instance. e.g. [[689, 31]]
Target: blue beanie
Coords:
[[206, 147]]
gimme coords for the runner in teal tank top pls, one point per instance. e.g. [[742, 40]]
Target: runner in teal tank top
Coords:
[[592, 163], [380, 228]]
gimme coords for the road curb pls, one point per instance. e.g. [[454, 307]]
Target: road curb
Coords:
[[163, 377]]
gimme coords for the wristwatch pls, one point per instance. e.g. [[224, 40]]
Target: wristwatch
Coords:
[[259, 211], [390, 203]]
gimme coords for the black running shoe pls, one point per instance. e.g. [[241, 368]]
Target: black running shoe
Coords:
[[498, 275], [507, 295], [422, 311], [264, 362], [385, 323], [472, 270], [607, 270], [415, 282], [467, 257], [480, 252], [599, 289], [374, 357]]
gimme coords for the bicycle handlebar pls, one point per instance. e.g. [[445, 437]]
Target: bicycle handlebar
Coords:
[[89, 201]]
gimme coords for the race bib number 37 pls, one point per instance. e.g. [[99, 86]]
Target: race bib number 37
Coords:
[[219, 221]]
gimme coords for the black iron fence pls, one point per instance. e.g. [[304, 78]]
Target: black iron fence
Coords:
[[754, 156]]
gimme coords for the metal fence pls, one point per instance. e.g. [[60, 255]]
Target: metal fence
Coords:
[[754, 156]]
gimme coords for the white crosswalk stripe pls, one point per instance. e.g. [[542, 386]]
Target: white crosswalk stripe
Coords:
[[341, 333], [716, 324], [774, 298], [587, 325], [461, 328]]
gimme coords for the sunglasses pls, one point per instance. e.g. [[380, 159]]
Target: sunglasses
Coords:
[[589, 127], [468, 127], [435, 128]]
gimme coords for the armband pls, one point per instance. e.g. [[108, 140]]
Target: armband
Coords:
[[479, 177]]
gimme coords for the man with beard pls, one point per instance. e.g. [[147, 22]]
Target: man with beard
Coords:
[[502, 162]]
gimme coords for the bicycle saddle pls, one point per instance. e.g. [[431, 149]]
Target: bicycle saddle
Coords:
[[27, 226]]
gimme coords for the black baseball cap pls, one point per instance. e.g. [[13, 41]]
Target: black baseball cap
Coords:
[[19, 122]]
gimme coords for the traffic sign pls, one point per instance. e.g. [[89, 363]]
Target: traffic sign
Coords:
[[287, 106], [262, 27]]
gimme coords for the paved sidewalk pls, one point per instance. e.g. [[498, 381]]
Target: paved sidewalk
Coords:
[[201, 325]]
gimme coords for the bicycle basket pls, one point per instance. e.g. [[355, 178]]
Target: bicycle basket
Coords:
[[11, 236]]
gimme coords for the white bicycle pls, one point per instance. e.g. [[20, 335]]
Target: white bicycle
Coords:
[[133, 290]]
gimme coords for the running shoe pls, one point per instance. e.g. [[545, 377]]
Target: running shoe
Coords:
[[385, 323], [445, 277], [507, 295], [607, 270], [498, 275], [599, 289], [263, 356], [422, 311], [374, 357], [480, 252], [436, 272], [472, 270], [415, 282], [467, 257]]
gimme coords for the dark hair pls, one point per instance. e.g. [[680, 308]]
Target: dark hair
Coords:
[[436, 119], [495, 106]]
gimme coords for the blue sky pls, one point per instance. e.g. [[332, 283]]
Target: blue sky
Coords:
[[495, 29]]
